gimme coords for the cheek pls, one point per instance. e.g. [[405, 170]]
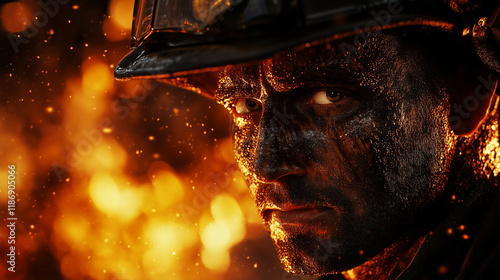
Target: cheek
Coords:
[[345, 161], [245, 135], [415, 152], [412, 141]]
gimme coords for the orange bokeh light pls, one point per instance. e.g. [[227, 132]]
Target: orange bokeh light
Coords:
[[15, 16], [121, 11]]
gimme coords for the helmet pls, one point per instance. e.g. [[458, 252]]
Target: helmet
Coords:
[[186, 42]]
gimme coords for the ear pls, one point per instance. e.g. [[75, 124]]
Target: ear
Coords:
[[471, 90]]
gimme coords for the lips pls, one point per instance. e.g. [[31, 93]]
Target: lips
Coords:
[[296, 215], [292, 202]]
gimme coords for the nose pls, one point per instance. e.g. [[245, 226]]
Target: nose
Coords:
[[278, 151]]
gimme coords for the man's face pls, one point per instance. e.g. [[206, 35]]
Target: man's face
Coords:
[[341, 157]]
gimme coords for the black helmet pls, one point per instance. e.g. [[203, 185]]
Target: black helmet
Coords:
[[186, 42]]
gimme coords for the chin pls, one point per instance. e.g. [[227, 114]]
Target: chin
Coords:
[[332, 246], [310, 256], [311, 251]]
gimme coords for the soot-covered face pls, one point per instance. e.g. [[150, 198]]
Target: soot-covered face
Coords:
[[341, 156]]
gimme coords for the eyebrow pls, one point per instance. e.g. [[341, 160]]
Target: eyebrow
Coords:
[[227, 91], [314, 75]]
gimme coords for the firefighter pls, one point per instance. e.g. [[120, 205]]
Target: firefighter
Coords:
[[367, 131]]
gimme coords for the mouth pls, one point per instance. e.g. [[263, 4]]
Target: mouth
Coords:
[[300, 215]]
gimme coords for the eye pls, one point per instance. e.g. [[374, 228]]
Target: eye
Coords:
[[325, 97], [247, 106]]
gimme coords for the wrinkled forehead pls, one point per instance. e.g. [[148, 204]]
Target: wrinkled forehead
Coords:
[[283, 71], [286, 71]]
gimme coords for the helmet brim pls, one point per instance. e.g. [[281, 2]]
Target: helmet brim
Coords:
[[195, 67]]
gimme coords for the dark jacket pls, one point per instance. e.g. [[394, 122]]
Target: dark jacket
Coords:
[[464, 246]]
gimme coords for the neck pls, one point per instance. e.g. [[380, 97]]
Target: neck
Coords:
[[477, 158]]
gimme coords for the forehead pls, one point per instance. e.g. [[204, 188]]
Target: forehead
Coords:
[[339, 61]]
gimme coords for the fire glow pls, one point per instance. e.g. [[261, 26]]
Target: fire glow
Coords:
[[106, 192]]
